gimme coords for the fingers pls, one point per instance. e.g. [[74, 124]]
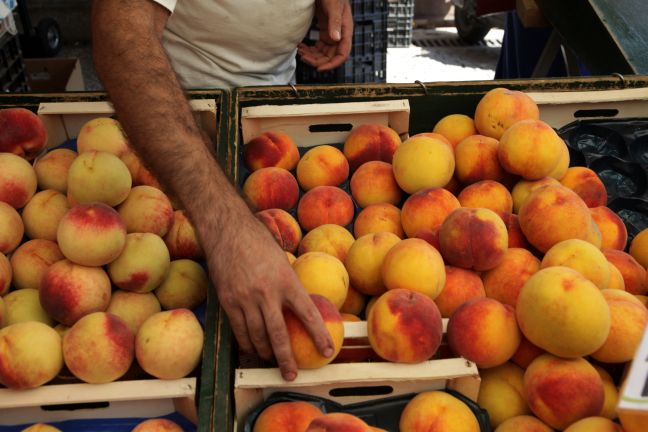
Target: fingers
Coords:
[[278, 334], [331, 64], [239, 328], [333, 11], [257, 331], [306, 311]]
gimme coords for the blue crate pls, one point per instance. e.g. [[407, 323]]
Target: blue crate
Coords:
[[12, 69]]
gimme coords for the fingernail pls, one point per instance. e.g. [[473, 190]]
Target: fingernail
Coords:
[[290, 376], [328, 352], [336, 35]]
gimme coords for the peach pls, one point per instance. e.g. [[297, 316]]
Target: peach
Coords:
[[139, 173], [430, 235], [18, 349], [286, 417], [271, 188], [582, 257], [487, 194], [185, 286], [643, 299], [474, 239], [354, 303], [453, 186], [634, 275], [325, 205], [414, 265], [364, 261], [21, 132], [616, 278], [460, 286], [632, 421], [6, 274], [562, 391], [523, 423], [42, 214], [102, 134], [142, 265], [41, 427], [639, 247], [437, 411], [169, 344], [594, 235], [271, 149], [328, 238], [561, 311], [369, 142], [91, 234], [552, 214], [484, 331], [98, 176], [17, 180], [283, 227], [423, 162], [437, 136], [404, 326], [12, 228], [504, 282], [182, 240], [614, 234], [611, 392], [530, 149], [306, 354], [322, 165], [31, 260], [147, 210], [70, 291], [350, 317], [374, 183], [587, 185], [323, 274], [376, 218], [338, 422], [526, 353], [99, 348], [52, 169], [594, 424], [3, 312], [501, 393], [476, 159], [455, 128], [561, 168], [133, 308], [524, 188], [427, 209], [24, 305], [158, 425], [500, 108]]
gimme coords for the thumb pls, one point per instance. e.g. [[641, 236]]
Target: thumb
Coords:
[[333, 11]]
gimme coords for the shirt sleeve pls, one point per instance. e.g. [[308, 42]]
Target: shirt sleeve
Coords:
[[168, 4]]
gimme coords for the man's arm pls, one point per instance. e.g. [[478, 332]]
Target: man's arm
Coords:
[[252, 275]]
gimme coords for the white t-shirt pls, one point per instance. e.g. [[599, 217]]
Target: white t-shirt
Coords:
[[228, 43]]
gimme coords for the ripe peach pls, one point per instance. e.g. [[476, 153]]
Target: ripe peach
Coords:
[[474, 239], [328, 238], [611, 392], [587, 185], [523, 423], [286, 417], [133, 308], [31, 260], [437, 136], [12, 228], [427, 209], [563, 164], [421, 163], [52, 169], [639, 247], [562, 391], [6, 274], [70, 291], [338, 422], [614, 234], [139, 173], [616, 278], [304, 350], [501, 393], [323, 274], [504, 282], [461, 285], [322, 165], [594, 424], [376, 218], [169, 344], [142, 265], [364, 261], [17, 180], [414, 265], [29, 343], [182, 240], [594, 236], [283, 227], [524, 188], [41, 427], [526, 353], [23, 305], [453, 186], [500, 108], [102, 134], [42, 214], [354, 303], [582, 257], [146, 210], [22, 132], [370, 142], [437, 411], [487, 194], [325, 205], [476, 160], [350, 317], [185, 286], [430, 235], [158, 425], [374, 183], [99, 348], [404, 326], [98, 176], [634, 275], [455, 128], [271, 188], [271, 149]]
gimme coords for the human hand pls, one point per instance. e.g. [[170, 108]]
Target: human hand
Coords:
[[336, 33]]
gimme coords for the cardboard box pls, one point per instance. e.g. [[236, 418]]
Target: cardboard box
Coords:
[[54, 75]]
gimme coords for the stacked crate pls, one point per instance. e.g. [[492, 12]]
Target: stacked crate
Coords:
[[399, 23], [12, 69]]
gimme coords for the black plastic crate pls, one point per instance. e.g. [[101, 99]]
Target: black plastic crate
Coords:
[[12, 69], [400, 21]]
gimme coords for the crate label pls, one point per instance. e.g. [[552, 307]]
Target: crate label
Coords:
[[635, 392]]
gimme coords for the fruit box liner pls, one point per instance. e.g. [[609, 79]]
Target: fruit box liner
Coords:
[[383, 413]]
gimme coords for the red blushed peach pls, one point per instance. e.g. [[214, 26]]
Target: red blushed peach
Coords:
[[504, 282], [284, 228], [328, 238], [500, 108], [133, 308], [364, 261], [427, 209], [487, 194], [501, 393], [453, 186], [354, 302], [634, 275], [271, 188], [322, 166], [6, 274], [526, 353], [474, 239], [147, 210], [455, 128], [430, 235], [614, 234], [17, 180], [306, 353], [324, 275], [52, 169], [338, 422], [376, 218], [102, 134], [563, 164], [139, 173], [286, 417], [370, 142], [476, 159], [182, 240], [12, 228], [91, 234], [437, 411], [374, 183], [157, 425], [271, 149], [639, 248], [461, 285], [523, 423], [562, 391], [99, 348], [582, 257], [515, 235], [21, 132], [404, 326], [423, 162], [523, 188], [70, 291], [142, 265], [484, 331], [43, 213], [31, 260], [587, 185], [324, 205], [98, 176]]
